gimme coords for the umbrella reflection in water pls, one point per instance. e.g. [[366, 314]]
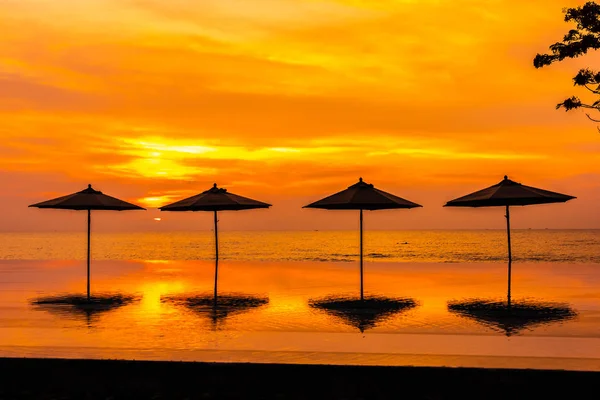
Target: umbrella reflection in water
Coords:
[[363, 314], [78, 307], [228, 304], [514, 318]]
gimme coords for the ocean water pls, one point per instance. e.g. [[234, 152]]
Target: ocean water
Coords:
[[276, 289], [440, 246], [277, 318]]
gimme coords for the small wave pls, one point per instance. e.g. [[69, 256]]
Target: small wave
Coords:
[[378, 255], [326, 259]]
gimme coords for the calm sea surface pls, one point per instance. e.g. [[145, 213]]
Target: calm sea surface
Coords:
[[275, 293], [572, 246]]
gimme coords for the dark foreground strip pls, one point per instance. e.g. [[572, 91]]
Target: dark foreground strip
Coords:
[[108, 379]]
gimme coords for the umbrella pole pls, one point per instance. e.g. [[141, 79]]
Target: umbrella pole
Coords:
[[362, 297], [509, 252], [89, 220], [216, 256]]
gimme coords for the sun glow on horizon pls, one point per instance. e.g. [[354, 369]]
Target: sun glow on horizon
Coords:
[[155, 202]]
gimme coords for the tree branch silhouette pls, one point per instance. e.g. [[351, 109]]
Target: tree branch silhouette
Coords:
[[577, 42]]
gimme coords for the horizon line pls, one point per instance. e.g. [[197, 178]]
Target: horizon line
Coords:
[[303, 230]]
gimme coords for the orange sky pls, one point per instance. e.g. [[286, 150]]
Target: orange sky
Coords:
[[287, 101]]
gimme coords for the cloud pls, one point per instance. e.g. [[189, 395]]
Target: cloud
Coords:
[[18, 93]]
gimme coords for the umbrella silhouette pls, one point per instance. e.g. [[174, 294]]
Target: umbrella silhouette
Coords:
[[505, 194], [514, 318], [215, 199], [229, 304], [88, 199], [363, 314], [362, 196]]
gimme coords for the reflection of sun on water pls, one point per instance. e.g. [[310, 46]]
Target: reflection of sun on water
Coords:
[[152, 292]]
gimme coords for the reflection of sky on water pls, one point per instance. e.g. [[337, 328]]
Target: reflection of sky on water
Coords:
[[151, 324]]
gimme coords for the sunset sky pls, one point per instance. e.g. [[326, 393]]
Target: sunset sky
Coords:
[[287, 101]]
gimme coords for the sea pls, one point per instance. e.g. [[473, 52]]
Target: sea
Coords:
[[433, 298], [438, 246]]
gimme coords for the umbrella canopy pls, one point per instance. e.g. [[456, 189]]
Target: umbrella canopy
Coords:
[[215, 199], [508, 193], [362, 196], [88, 199], [505, 194]]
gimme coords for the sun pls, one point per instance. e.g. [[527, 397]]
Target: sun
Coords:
[[158, 219]]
